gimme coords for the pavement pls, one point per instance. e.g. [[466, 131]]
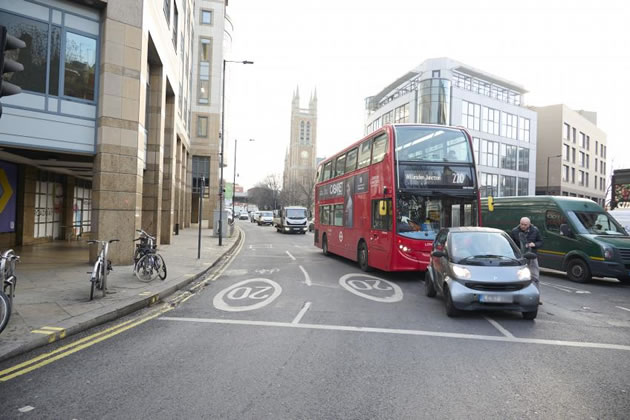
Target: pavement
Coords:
[[53, 288]]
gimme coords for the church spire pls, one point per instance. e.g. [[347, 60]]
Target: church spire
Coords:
[[313, 102], [296, 97]]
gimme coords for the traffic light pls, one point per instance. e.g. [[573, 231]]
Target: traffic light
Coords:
[[7, 43]]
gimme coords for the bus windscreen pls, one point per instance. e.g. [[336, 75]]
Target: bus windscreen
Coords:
[[432, 144]]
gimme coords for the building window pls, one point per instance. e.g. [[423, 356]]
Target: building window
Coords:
[[574, 134], [476, 148], [206, 17], [565, 152], [581, 178], [175, 25], [523, 186], [401, 114], [435, 74], [205, 56], [566, 133], [308, 132], [489, 184], [588, 142], [588, 157], [80, 66], [508, 186], [490, 120], [48, 205], [471, 114], [582, 162], [200, 169], [82, 208], [202, 126], [572, 175], [508, 125], [489, 153], [565, 173], [573, 155], [523, 159], [523, 129], [166, 6], [508, 156], [596, 167]]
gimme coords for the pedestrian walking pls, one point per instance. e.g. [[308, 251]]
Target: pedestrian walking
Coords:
[[527, 237]]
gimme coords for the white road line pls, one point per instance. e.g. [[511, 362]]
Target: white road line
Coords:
[[307, 279], [562, 288], [578, 344], [26, 409], [499, 327], [289, 254], [299, 316], [621, 307]]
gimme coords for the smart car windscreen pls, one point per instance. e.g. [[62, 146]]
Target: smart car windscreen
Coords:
[[478, 246]]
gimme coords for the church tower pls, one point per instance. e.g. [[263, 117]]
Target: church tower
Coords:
[[300, 162]]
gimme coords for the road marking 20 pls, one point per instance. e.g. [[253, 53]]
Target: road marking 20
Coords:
[[261, 295], [359, 284]]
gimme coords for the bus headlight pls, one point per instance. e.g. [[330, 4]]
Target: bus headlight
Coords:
[[461, 272], [524, 274], [404, 248]]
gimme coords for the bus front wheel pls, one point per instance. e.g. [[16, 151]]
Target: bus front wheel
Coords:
[[362, 256]]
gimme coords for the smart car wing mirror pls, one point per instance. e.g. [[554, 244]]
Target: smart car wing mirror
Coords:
[[438, 254], [530, 255]]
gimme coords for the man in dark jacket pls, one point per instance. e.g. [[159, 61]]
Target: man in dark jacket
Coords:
[[527, 237]]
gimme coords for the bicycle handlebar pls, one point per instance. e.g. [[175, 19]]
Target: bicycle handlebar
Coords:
[[94, 241]]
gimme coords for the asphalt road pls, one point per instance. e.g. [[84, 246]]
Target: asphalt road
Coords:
[[283, 332]]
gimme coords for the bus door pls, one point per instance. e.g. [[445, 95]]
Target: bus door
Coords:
[[381, 236]]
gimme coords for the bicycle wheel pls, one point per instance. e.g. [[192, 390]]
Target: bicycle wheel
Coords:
[[5, 310], [145, 270], [95, 279], [103, 280], [161, 266]]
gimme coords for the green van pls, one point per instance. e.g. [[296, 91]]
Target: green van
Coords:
[[579, 236]]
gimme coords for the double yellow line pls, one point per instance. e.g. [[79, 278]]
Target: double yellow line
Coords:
[[85, 342], [61, 352]]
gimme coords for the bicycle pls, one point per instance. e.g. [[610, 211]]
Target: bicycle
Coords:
[[148, 264], [9, 281], [102, 267]]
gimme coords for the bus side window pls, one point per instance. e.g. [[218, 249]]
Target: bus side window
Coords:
[[364, 153], [351, 160], [382, 214], [340, 167], [324, 212], [338, 215], [379, 148], [327, 168]]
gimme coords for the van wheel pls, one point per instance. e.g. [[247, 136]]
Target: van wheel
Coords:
[[325, 246], [362, 257], [578, 271]]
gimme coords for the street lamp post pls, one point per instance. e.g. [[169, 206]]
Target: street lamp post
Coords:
[[222, 135], [548, 158], [234, 184]]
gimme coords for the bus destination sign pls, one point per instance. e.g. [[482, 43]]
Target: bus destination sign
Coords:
[[423, 176]]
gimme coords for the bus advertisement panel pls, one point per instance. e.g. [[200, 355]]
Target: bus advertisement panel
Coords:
[[382, 200]]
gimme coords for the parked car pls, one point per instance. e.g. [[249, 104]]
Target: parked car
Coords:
[[579, 237], [254, 216], [243, 216], [266, 218], [478, 268]]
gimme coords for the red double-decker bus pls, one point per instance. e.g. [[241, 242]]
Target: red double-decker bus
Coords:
[[382, 200]]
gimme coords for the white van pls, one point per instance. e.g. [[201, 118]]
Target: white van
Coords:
[[291, 219]]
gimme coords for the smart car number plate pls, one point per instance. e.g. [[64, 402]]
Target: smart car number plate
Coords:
[[496, 298]]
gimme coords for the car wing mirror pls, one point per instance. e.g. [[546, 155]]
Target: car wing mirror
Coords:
[[438, 254], [530, 255]]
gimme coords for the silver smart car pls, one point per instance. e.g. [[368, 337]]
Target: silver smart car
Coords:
[[477, 268]]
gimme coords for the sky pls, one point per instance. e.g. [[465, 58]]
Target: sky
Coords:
[[573, 52]]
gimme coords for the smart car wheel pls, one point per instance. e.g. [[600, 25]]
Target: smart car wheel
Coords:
[[429, 287], [451, 310], [530, 315], [578, 271]]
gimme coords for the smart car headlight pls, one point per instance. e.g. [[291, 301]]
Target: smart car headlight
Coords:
[[461, 272], [524, 274]]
